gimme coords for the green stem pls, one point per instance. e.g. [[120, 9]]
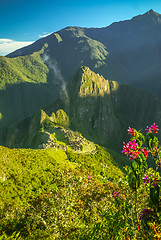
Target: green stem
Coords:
[[136, 203]]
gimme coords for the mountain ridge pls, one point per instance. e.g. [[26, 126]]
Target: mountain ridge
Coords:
[[127, 51]]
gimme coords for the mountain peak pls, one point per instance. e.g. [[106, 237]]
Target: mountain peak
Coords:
[[152, 12], [148, 18], [91, 84]]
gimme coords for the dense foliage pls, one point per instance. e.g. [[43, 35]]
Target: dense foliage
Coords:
[[57, 194], [38, 186], [22, 69]]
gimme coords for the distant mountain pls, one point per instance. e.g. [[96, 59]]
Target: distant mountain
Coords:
[[126, 53]]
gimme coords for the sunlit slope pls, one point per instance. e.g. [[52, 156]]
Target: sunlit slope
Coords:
[[24, 87], [70, 48], [26, 173], [22, 69]]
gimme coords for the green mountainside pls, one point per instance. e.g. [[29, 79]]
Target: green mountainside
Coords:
[[61, 175], [65, 189], [33, 77], [66, 102], [38, 77], [70, 48], [126, 51], [101, 110], [42, 188], [22, 69]]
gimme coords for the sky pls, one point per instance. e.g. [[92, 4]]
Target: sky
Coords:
[[25, 21]]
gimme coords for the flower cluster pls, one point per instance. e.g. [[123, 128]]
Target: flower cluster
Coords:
[[131, 149], [152, 180], [152, 128], [131, 131], [144, 182], [145, 152]]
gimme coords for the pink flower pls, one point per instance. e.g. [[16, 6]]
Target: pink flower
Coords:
[[89, 177], [148, 129], [155, 182], [129, 146], [131, 131], [153, 128], [134, 155], [126, 149], [133, 145], [131, 149], [145, 178], [145, 152]]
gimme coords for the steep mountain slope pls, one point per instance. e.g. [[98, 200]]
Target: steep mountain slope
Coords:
[[101, 110], [70, 48], [135, 44]]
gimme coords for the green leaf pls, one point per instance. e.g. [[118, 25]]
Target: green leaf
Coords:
[[134, 166], [132, 181], [154, 194]]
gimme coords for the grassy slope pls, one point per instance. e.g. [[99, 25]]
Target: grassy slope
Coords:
[[25, 173], [22, 166], [27, 176], [22, 69], [66, 45], [61, 194]]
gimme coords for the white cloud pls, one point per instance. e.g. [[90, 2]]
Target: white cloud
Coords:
[[9, 45], [45, 34]]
